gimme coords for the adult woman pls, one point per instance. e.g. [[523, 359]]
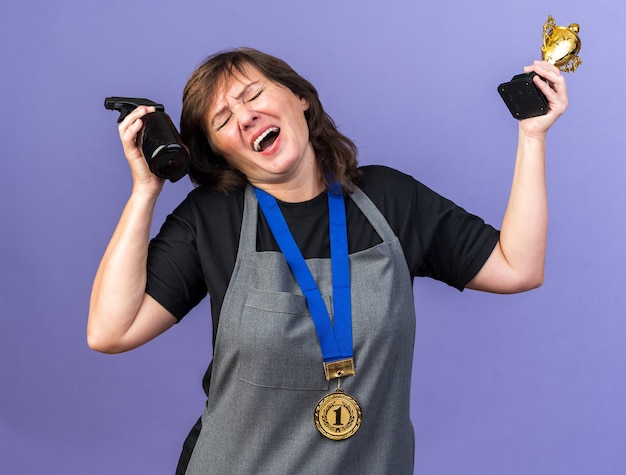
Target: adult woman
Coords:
[[259, 137]]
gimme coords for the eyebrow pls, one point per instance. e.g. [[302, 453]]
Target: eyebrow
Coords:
[[239, 95]]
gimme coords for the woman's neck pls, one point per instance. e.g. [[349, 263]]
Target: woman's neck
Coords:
[[306, 185], [292, 192]]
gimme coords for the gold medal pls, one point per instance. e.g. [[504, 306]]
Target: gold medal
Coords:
[[338, 415]]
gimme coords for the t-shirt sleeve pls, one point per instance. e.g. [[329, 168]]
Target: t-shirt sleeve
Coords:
[[439, 238], [458, 243], [174, 274]]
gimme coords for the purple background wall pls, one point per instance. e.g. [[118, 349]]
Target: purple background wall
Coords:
[[525, 384]]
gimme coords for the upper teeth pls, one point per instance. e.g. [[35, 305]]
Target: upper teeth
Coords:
[[259, 139]]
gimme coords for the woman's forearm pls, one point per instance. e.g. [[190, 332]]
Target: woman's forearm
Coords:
[[524, 230]]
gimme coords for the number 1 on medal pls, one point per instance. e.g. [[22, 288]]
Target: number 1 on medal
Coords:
[[338, 416]]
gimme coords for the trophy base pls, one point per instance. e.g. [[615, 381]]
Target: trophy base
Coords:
[[522, 97]]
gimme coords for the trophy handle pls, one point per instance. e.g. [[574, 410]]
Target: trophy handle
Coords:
[[548, 28]]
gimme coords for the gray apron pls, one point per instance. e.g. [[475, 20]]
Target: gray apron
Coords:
[[267, 375]]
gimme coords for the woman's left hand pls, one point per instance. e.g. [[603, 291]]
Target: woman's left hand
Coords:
[[551, 83]]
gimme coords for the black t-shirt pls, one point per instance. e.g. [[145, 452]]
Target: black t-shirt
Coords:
[[196, 248]]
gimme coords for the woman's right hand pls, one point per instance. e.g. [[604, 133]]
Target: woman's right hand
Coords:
[[143, 179]]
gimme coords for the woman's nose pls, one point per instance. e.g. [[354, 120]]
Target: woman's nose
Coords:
[[246, 117]]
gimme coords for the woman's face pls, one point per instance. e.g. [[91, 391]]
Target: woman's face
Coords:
[[259, 127]]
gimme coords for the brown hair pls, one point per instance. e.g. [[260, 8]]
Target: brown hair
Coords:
[[335, 153]]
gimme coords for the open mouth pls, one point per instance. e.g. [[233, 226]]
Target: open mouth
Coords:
[[266, 139]]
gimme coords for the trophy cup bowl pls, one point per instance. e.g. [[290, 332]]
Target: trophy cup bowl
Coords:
[[561, 46]]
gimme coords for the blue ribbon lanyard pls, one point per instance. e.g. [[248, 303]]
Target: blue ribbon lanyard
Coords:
[[336, 343]]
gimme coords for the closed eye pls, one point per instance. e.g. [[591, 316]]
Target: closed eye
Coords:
[[255, 96], [223, 124]]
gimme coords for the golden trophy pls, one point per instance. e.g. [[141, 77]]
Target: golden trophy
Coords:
[[561, 46]]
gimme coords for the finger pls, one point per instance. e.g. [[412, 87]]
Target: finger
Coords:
[[132, 124], [555, 91], [555, 85], [133, 116], [549, 72], [139, 112]]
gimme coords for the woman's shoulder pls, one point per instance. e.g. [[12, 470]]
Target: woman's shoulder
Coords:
[[382, 183], [394, 191], [373, 174], [209, 206], [204, 197]]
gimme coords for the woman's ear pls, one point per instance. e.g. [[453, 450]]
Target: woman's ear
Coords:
[[305, 103]]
